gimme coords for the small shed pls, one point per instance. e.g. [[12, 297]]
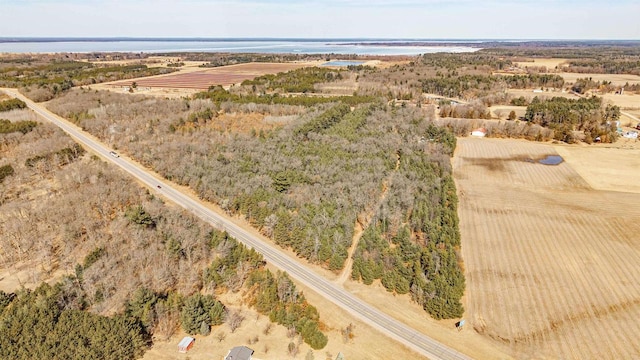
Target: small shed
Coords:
[[239, 353], [479, 132], [186, 344]]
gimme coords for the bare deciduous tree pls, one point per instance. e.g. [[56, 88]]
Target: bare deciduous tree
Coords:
[[234, 319]]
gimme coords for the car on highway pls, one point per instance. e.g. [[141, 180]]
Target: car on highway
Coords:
[[159, 187], [114, 154]]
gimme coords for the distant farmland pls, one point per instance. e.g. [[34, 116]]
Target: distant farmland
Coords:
[[224, 75], [551, 264]]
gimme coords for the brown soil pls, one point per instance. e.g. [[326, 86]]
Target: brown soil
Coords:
[[203, 78], [550, 261]]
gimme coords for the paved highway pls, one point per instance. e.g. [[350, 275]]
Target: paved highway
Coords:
[[391, 327]]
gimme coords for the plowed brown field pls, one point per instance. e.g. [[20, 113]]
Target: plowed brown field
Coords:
[[552, 265], [224, 75]]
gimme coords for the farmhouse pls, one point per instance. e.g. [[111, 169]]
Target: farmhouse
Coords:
[[239, 353], [185, 344]]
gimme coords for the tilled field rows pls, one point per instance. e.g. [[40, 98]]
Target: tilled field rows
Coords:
[[551, 265], [224, 75]]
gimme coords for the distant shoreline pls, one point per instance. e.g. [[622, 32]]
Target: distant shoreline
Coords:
[[245, 45], [373, 47], [504, 43], [338, 41]]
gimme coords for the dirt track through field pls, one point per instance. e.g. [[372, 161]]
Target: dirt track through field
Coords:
[[551, 264]]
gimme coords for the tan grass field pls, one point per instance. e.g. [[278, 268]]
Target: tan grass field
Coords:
[[502, 111], [616, 79], [549, 63], [551, 262], [625, 101], [529, 94]]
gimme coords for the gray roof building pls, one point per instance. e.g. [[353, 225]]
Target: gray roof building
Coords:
[[239, 353]]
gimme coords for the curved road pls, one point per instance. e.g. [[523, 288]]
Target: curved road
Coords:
[[386, 324]]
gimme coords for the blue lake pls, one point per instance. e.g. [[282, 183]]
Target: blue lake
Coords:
[[233, 46], [343, 63]]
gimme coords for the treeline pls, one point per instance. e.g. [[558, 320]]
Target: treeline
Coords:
[[219, 95], [456, 61], [567, 50], [7, 127], [44, 81], [457, 86], [48, 323], [12, 104], [582, 85], [60, 157], [534, 81], [277, 297], [296, 81], [325, 120], [465, 111], [604, 66], [566, 115], [499, 129]]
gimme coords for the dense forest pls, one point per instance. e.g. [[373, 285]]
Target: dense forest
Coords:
[[305, 181], [564, 116], [137, 270], [301, 80]]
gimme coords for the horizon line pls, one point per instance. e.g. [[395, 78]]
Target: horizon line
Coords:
[[197, 38]]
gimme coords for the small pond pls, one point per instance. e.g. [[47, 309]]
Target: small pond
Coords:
[[551, 160]]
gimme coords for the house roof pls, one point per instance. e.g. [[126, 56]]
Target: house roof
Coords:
[[239, 353], [185, 341]]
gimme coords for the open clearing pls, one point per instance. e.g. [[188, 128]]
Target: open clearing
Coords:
[[551, 263], [367, 343], [502, 111], [549, 63], [616, 79]]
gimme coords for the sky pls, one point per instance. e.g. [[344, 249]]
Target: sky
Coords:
[[426, 19]]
